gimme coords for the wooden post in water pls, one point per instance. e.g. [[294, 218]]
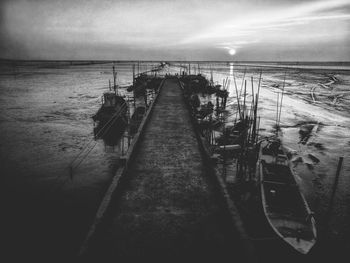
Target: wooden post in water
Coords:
[[256, 108], [244, 96], [133, 84], [114, 80], [252, 81], [240, 92], [237, 95], [335, 185], [129, 122], [284, 82], [257, 131], [278, 99]]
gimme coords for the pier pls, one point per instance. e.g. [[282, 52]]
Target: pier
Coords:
[[166, 203]]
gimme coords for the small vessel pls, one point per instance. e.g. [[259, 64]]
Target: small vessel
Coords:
[[205, 110], [112, 113], [285, 207], [111, 104], [144, 82], [234, 134]]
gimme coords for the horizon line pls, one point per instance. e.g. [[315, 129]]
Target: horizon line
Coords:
[[194, 61]]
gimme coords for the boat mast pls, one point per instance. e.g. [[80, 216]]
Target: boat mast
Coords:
[[277, 109], [284, 82], [114, 80], [237, 96]]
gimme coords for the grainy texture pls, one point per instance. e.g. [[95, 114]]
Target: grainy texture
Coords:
[[169, 210]]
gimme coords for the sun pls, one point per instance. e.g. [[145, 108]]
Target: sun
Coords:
[[232, 52]]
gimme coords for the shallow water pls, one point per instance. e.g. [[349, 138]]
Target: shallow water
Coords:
[[45, 120]]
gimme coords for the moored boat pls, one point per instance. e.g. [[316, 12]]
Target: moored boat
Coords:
[[285, 207], [112, 113], [111, 105]]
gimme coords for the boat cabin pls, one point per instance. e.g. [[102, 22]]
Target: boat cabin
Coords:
[[272, 152], [109, 99]]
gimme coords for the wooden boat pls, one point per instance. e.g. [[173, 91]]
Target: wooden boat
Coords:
[[195, 84], [144, 82], [284, 205], [110, 120], [205, 110], [207, 124], [234, 134], [112, 113], [111, 105], [112, 132]]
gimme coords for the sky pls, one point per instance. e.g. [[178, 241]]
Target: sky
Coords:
[[256, 30]]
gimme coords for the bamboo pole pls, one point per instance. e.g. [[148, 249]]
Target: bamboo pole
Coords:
[[252, 88], [227, 92], [240, 93], [278, 95], [259, 85], [334, 188], [284, 81], [257, 131], [238, 103], [133, 84], [114, 79], [249, 123], [245, 90], [255, 116], [256, 105]]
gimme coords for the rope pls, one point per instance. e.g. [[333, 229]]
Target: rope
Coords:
[[88, 147], [107, 123]]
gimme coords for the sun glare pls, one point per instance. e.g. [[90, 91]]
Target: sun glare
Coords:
[[232, 52]]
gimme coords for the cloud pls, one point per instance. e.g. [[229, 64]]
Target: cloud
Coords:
[[268, 25], [141, 27]]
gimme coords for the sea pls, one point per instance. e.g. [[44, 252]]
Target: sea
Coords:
[[46, 110]]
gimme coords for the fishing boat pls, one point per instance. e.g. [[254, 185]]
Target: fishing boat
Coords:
[[144, 82], [111, 104], [112, 113], [235, 134], [285, 207]]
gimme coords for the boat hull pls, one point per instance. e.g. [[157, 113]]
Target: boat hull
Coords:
[[284, 206]]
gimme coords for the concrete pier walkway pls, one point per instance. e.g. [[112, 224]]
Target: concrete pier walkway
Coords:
[[169, 208]]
